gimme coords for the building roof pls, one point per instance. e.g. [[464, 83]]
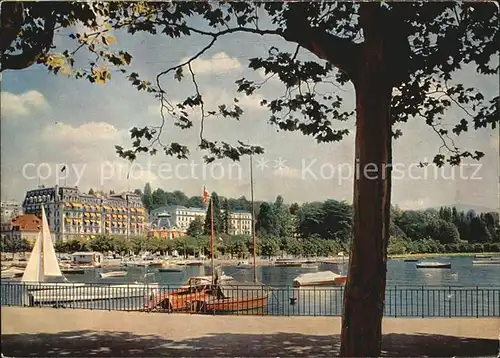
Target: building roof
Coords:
[[161, 223], [27, 223]]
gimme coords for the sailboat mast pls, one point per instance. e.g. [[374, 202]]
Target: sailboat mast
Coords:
[[254, 241], [41, 271], [212, 237]]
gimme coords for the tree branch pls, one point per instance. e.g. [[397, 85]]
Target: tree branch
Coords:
[[340, 52], [31, 56], [11, 22]]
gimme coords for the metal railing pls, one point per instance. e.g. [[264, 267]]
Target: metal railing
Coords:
[[400, 301]]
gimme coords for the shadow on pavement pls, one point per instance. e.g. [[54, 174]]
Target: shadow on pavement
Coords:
[[123, 344]]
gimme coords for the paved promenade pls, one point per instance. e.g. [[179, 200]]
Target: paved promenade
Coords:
[[48, 332]]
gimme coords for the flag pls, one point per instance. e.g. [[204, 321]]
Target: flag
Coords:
[[205, 195], [63, 169]]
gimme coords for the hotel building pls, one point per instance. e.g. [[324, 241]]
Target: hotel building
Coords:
[[74, 215], [240, 223]]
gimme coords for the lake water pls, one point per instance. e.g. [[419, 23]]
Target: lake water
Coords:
[[464, 290], [399, 273]]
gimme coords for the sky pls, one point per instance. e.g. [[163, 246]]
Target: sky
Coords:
[[48, 121]]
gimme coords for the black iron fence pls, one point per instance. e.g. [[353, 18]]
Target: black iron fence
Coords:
[[400, 301]]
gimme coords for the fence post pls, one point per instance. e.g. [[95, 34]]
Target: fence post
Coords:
[[395, 301], [449, 306], [477, 301], [422, 301]]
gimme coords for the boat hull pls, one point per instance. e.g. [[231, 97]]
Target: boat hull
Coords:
[[166, 269], [73, 271], [434, 266], [337, 281], [84, 293], [297, 264], [229, 305]]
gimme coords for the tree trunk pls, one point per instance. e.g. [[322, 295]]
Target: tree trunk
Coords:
[[365, 288]]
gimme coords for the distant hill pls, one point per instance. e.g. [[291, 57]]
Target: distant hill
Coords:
[[467, 207]]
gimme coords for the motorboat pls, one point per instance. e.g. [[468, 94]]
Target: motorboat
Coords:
[[113, 274], [243, 265], [319, 279], [434, 265]]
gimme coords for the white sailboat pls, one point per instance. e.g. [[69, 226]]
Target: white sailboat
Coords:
[[46, 283], [43, 268]]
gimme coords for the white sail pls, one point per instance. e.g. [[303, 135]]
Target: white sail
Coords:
[[34, 269], [43, 260], [50, 264]]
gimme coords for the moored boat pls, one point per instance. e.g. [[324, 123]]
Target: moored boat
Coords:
[[411, 260], [112, 274], [231, 297], [287, 263], [170, 269], [482, 256], [180, 299], [319, 279], [194, 263], [491, 261], [76, 293], [243, 265], [311, 265], [73, 271], [436, 265], [11, 273]]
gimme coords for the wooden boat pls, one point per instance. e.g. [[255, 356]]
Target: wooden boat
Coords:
[[435, 265], [113, 274], [180, 299], [243, 265], [319, 279], [226, 298], [491, 261]]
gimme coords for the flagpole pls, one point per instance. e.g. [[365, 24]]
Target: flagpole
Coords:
[[254, 241], [212, 237]]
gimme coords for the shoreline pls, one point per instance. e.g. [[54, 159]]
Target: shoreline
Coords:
[[452, 254]]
